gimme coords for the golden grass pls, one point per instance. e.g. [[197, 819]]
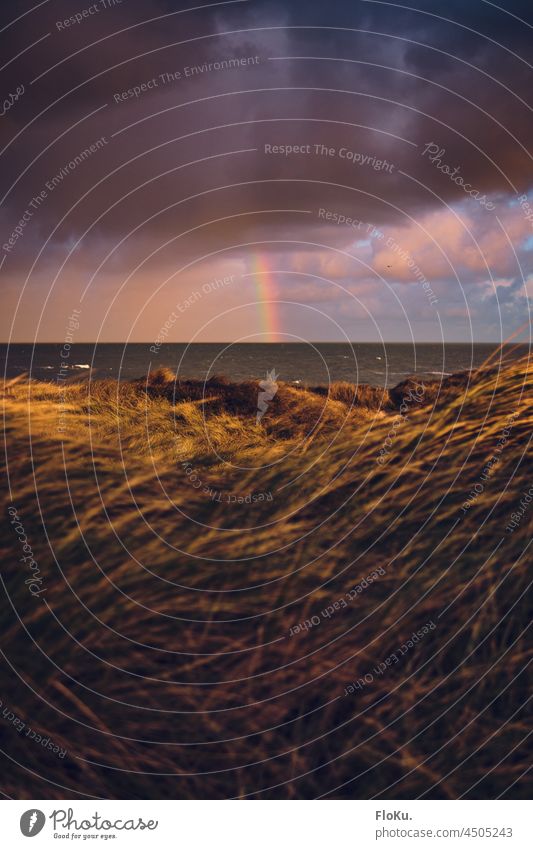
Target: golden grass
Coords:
[[160, 653]]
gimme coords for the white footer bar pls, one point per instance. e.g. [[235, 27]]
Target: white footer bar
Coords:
[[268, 824]]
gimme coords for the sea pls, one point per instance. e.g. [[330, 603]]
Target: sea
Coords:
[[308, 364]]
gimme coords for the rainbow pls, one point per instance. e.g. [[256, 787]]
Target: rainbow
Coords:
[[266, 299]]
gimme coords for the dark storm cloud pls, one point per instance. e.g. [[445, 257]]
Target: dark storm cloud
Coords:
[[421, 94]]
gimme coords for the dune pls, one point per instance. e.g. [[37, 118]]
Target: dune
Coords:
[[190, 640]]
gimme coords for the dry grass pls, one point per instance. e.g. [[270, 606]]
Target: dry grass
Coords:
[[159, 655]]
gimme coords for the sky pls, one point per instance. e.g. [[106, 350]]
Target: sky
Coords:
[[259, 171]]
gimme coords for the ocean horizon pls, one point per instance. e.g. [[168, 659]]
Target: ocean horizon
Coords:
[[378, 364]]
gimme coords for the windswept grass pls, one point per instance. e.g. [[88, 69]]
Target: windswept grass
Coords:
[[160, 652]]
